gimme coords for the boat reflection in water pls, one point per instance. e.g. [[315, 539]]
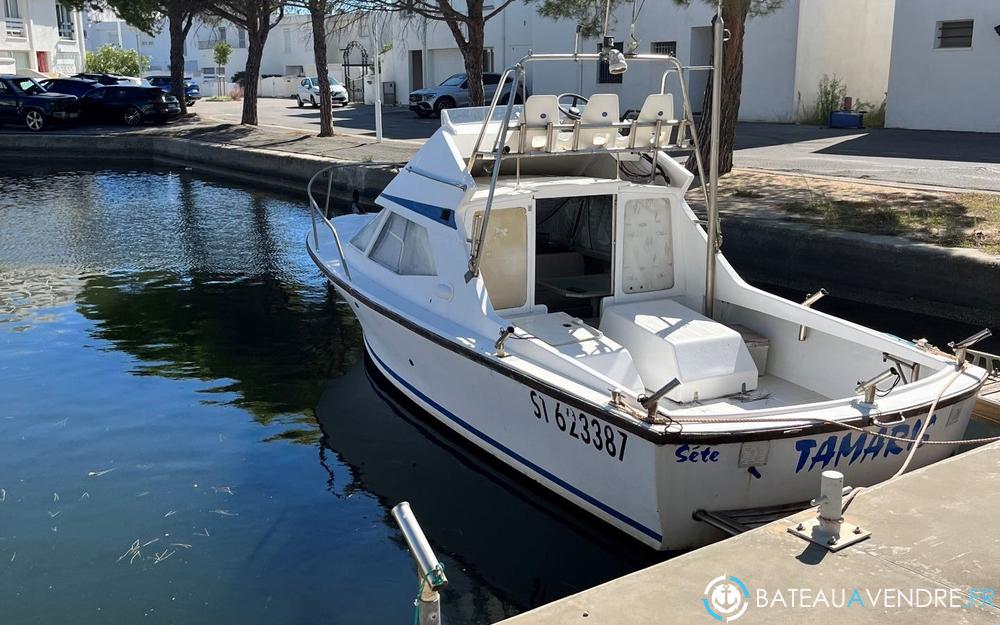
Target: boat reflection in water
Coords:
[[499, 531]]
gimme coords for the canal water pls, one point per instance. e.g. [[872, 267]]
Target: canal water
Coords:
[[189, 432]]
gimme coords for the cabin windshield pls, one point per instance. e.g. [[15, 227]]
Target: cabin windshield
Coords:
[[573, 253]]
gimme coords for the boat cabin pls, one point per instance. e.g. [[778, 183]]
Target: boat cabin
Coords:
[[591, 253]]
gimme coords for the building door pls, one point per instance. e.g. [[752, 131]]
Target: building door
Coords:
[[43, 61], [416, 69]]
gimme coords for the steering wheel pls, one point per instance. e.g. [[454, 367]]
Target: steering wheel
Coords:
[[570, 110]]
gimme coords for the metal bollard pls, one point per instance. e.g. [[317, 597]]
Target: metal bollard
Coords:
[[429, 569], [831, 503], [829, 529]]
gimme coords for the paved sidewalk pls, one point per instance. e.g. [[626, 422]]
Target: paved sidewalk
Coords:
[[962, 160]]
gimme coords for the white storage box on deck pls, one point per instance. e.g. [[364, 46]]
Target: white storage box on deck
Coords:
[[757, 344], [668, 340]]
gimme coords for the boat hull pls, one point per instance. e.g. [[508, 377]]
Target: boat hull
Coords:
[[645, 488]]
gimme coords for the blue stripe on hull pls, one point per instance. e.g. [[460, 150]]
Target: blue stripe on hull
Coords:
[[514, 455]]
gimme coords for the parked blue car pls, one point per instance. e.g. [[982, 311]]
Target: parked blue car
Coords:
[[192, 92]]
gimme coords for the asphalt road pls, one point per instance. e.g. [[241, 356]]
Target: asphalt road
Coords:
[[947, 159], [964, 160], [397, 123]]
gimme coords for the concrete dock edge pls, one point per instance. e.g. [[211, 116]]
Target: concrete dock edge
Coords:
[[932, 529]]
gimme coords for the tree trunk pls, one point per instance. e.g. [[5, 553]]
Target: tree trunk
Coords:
[[175, 19], [317, 14], [732, 89], [251, 76], [473, 55]]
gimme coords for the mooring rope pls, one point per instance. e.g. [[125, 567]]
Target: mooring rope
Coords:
[[436, 572], [848, 426]]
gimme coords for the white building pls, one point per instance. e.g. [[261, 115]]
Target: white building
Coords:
[[40, 35], [945, 65], [106, 28], [786, 52]]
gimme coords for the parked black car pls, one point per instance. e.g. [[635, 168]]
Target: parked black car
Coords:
[[129, 104], [22, 100], [192, 92], [69, 86], [105, 79]]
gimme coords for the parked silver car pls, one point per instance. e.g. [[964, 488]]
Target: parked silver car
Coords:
[[308, 91], [453, 92]]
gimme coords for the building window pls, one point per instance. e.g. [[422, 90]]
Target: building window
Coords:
[[603, 75], [64, 18], [9, 9], [487, 59], [208, 72], [664, 47], [241, 38], [954, 34]]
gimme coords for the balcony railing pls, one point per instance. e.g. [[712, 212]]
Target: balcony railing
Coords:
[[13, 27]]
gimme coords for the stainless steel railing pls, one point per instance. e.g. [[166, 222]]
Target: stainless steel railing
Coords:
[[323, 214], [518, 69]]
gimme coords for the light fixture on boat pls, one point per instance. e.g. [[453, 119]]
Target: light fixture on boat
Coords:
[[961, 347], [868, 387], [614, 57]]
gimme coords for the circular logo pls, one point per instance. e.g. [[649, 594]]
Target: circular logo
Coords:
[[726, 598]]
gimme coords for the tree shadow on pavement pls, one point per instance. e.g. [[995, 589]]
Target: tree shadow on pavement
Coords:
[[973, 147]]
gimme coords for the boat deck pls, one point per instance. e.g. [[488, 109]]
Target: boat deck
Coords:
[[771, 392]]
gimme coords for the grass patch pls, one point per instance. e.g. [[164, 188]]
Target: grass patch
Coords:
[[954, 220], [219, 98]]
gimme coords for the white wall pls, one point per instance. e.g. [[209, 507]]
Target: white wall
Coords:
[[847, 38], [103, 29], [41, 34], [770, 50], [944, 89], [769, 57]]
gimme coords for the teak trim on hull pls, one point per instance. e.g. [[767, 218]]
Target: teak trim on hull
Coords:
[[658, 438]]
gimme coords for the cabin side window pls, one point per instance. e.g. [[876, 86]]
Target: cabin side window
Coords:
[[647, 254], [363, 238], [404, 248]]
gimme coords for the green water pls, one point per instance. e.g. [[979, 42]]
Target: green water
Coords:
[[174, 371], [175, 374]]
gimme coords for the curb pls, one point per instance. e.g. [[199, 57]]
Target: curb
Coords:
[[284, 171]]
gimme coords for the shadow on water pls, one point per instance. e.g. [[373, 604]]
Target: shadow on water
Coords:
[[270, 347], [508, 534]]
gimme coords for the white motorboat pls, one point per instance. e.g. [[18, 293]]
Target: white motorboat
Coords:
[[536, 281]]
